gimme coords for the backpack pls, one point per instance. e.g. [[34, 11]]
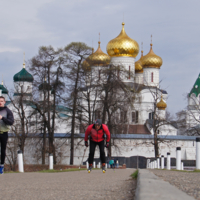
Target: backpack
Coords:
[[111, 162]]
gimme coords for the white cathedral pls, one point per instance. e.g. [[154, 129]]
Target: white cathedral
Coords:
[[122, 51]]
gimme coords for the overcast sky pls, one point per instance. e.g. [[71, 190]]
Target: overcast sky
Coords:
[[175, 26]]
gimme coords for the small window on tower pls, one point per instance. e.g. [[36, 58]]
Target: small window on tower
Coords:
[[133, 116], [151, 76], [99, 74]]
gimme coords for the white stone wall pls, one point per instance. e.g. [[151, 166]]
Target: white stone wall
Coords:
[[126, 62], [121, 148], [147, 76], [25, 87], [139, 78]]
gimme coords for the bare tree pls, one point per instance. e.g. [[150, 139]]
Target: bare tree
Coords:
[[47, 71], [77, 52]]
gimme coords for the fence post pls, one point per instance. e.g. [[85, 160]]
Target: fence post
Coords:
[[162, 162], [50, 161], [158, 163], [20, 161], [197, 152], [168, 161], [178, 158], [94, 164], [87, 165], [182, 166]]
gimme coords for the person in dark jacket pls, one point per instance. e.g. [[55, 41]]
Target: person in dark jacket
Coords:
[[96, 132], [6, 120]]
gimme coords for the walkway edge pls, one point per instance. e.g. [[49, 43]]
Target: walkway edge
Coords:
[[151, 187]]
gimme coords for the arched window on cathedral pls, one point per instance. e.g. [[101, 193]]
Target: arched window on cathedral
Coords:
[[135, 116], [151, 76], [123, 116], [151, 114]]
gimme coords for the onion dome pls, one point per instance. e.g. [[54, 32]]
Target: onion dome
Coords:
[[86, 66], [151, 60], [3, 89], [161, 105], [138, 65], [122, 45], [45, 86], [98, 58], [23, 76]]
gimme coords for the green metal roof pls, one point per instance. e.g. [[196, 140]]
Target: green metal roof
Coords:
[[196, 87], [23, 75], [3, 89]]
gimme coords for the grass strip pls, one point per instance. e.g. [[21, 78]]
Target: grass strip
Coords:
[[135, 174]]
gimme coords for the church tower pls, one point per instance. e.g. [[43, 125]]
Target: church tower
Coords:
[[23, 82], [95, 63], [3, 91], [123, 51], [151, 64], [139, 78]]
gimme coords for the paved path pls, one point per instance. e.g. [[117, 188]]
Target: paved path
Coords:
[[151, 187], [68, 185], [189, 182]]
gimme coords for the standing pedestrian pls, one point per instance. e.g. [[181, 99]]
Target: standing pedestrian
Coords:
[[96, 132], [6, 120]]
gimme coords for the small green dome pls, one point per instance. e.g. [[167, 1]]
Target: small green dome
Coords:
[[45, 86], [3, 89], [23, 75]]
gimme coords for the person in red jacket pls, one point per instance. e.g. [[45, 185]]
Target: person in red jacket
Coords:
[[96, 132]]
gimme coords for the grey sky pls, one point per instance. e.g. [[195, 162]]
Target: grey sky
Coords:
[[175, 26]]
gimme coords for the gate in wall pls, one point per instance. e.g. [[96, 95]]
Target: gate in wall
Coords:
[[136, 162]]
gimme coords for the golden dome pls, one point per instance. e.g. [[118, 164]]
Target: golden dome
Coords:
[[151, 60], [98, 58], [86, 66], [161, 105], [138, 65], [122, 45]]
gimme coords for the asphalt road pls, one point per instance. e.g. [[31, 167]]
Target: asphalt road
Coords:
[[77, 185]]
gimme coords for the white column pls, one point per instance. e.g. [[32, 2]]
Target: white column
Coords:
[[94, 164], [155, 163], [50, 161], [162, 162], [197, 152], [168, 161], [106, 165], [158, 163], [99, 165], [87, 165], [148, 163], [178, 158], [20, 161], [182, 166]]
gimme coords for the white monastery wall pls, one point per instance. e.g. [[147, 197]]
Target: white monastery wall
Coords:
[[122, 148]]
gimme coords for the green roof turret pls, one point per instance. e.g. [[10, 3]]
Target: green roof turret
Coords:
[[23, 76], [196, 87], [45, 86], [3, 89]]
